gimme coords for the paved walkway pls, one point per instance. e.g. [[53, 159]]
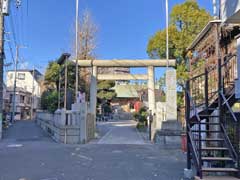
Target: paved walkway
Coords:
[[119, 132]]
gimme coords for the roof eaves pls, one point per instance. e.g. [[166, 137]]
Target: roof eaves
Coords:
[[202, 33]]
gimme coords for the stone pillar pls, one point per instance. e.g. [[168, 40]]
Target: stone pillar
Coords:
[[171, 95], [93, 94], [151, 89], [160, 114], [83, 123], [170, 132]]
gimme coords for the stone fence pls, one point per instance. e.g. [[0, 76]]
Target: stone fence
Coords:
[[69, 127]]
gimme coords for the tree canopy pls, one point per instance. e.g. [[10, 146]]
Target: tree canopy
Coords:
[[186, 21], [105, 91], [52, 75]]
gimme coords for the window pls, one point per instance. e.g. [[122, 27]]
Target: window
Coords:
[[21, 76], [10, 76], [22, 98], [11, 98]]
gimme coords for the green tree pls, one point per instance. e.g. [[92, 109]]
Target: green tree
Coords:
[[105, 91], [51, 77], [186, 21], [157, 44], [49, 100]]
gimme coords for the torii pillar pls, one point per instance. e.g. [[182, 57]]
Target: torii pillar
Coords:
[[93, 94], [151, 89]]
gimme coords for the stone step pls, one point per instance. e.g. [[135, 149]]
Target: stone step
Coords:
[[216, 178], [214, 148], [210, 139], [210, 131], [206, 169], [217, 159]]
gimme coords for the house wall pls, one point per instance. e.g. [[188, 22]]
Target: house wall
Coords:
[[23, 105], [26, 83]]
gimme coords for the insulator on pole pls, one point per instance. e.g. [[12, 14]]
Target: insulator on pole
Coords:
[[18, 3], [5, 7]]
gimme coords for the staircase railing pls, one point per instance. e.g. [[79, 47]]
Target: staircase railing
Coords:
[[230, 126], [194, 147], [203, 91]]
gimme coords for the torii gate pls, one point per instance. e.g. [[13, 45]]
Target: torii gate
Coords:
[[150, 76]]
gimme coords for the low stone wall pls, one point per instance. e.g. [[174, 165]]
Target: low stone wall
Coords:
[[69, 127], [64, 134]]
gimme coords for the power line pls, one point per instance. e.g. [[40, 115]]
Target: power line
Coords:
[[11, 51], [13, 30]]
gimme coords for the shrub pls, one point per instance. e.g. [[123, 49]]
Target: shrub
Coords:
[[140, 126], [49, 100]]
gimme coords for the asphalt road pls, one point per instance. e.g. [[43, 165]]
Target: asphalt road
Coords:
[[31, 155]]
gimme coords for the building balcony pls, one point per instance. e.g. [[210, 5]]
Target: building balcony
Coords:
[[230, 11]]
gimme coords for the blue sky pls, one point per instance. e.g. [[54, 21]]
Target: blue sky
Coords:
[[46, 27]]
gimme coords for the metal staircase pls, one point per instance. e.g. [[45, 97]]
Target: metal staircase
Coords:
[[213, 129]]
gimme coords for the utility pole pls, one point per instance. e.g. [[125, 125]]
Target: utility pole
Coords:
[[33, 89], [77, 74], [59, 88], [4, 9], [15, 83], [1, 65], [167, 39]]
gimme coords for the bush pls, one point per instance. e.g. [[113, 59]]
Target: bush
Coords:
[[136, 116], [49, 100], [140, 126], [141, 116]]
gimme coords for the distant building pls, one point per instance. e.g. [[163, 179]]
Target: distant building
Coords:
[[29, 83], [129, 94], [23, 103]]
